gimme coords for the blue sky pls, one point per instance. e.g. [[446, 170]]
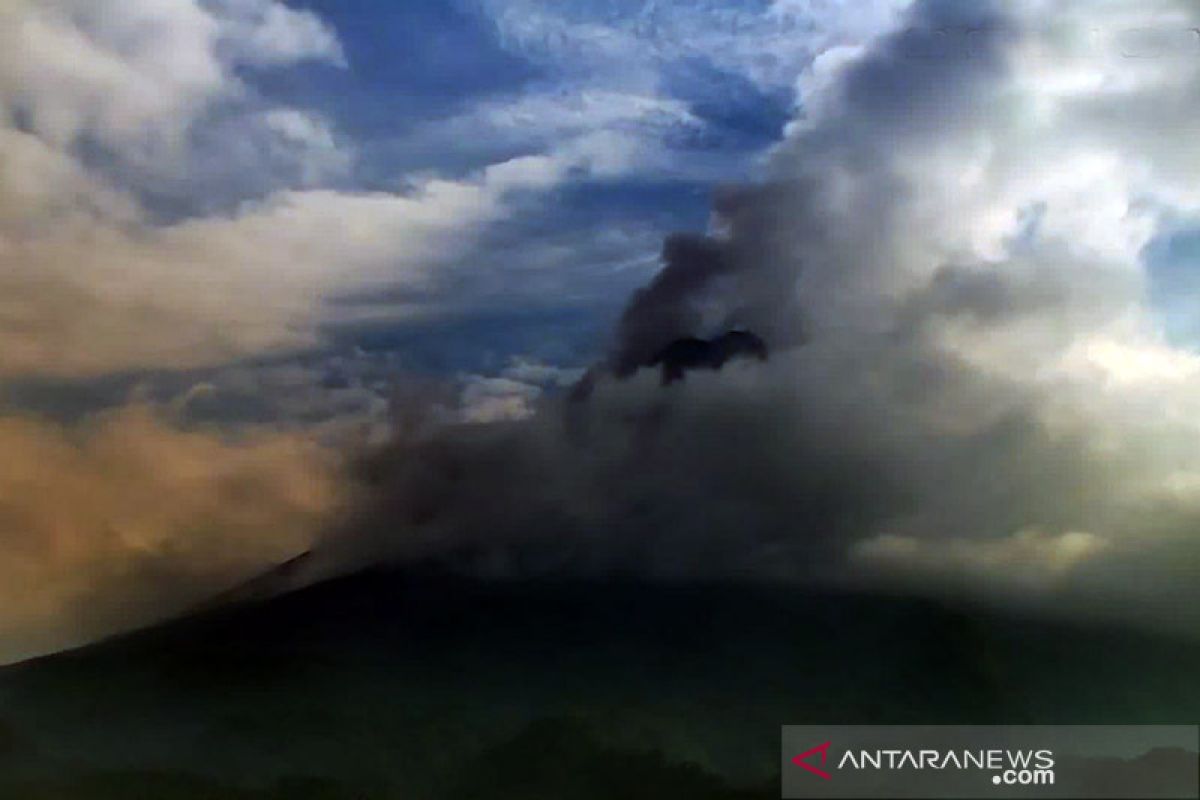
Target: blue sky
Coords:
[[445, 86], [1175, 283], [454, 87]]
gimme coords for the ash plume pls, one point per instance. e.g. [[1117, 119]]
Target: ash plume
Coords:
[[967, 389]]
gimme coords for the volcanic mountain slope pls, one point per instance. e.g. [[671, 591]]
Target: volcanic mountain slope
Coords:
[[419, 683]]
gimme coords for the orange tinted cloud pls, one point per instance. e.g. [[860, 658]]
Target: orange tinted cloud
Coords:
[[124, 519]]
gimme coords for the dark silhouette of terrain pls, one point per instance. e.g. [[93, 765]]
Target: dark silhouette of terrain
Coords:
[[417, 682], [1160, 772]]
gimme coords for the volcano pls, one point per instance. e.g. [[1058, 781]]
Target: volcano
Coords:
[[421, 682]]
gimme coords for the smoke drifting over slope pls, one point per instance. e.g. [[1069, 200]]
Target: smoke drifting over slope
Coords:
[[967, 383], [125, 519]]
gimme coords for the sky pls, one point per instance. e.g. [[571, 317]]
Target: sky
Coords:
[[253, 251]]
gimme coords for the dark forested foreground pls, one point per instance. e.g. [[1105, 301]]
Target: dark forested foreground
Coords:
[[418, 684]]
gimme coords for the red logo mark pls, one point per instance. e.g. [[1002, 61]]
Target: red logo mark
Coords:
[[823, 749]]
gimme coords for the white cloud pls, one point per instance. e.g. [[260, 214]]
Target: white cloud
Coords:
[[94, 294], [641, 71], [136, 75], [268, 33], [497, 399], [768, 46], [1028, 558], [309, 142], [538, 373], [514, 394], [92, 283]]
